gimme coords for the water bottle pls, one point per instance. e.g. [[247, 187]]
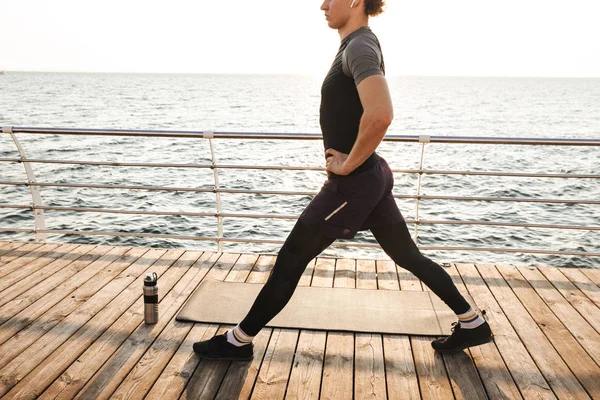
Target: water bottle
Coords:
[[151, 298]]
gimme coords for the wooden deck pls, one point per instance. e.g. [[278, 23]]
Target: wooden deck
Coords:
[[72, 327]]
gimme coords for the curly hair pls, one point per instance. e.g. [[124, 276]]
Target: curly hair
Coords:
[[374, 7]]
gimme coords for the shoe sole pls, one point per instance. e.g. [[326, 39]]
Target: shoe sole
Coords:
[[467, 345], [226, 358]]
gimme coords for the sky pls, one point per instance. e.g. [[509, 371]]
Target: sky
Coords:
[[549, 38]]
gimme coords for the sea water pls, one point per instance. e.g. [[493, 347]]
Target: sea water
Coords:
[[446, 106]]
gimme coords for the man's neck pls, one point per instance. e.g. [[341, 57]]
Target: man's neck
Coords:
[[352, 26]]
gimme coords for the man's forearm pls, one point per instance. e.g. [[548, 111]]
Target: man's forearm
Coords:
[[370, 133]]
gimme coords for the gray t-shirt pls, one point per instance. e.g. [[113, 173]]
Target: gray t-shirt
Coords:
[[362, 57]]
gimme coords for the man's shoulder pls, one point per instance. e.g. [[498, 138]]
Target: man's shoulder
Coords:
[[362, 56], [365, 43], [363, 38]]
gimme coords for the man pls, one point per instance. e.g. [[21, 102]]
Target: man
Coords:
[[356, 110]]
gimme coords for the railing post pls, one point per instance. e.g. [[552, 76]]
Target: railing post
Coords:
[[210, 135], [423, 139], [38, 215]]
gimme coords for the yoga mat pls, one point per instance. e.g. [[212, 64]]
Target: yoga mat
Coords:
[[330, 309]]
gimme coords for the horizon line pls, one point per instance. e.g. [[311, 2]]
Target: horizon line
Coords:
[[294, 74]]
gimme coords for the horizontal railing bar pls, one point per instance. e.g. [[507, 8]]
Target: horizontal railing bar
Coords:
[[14, 183], [504, 174], [17, 230], [167, 213], [304, 136], [302, 168], [296, 193], [176, 189], [293, 217], [126, 187], [279, 242], [513, 224], [16, 160], [117, 164], [128, 212], [109, 233], [269, 167], [500, 199], [168, 165]]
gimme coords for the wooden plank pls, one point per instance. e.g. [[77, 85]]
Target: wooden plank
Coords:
[[276, 367], [126, 309], [186, 367], [369, 369], [464, 377], [72, 337], [275, 370], [112, 373], [182, 365], [587, 336], [307, 369], [345, 274], [561, 379], [434, 381], [27, 249], [574, 355], [579, 279], [305, 378], [400, 372], [587, 309], [48, 311], [37, 266], [490, 367], [387, 275], [592, 273], [337, 381], [209, 373], [401, 375], [45, 295], [407, 280], [57, 282], [365, 274], [95, 308], [205, 383], [7, 247], [93, 355], [238, 376], [248, 373], [43, 254], [32, 277], [530, 381]]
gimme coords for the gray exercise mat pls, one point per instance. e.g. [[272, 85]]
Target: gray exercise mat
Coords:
[[330, 309]]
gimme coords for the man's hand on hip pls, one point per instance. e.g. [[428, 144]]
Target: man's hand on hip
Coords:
[[336, 162]]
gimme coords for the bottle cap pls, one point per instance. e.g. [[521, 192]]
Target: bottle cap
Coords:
[[150, 279]]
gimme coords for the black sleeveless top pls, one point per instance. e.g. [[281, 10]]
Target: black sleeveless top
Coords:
[[341, 109]]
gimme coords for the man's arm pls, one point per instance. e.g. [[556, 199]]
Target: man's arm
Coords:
[[377, 117]]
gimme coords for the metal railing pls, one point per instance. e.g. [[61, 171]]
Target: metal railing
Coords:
[[38, 208]]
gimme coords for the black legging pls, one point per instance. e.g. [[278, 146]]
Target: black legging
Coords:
[[305, 243]]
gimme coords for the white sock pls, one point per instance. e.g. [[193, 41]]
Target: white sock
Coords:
[[470, 320], [238, 337]]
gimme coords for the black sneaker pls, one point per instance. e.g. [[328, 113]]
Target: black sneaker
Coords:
[[463, 338], [218, 348]]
